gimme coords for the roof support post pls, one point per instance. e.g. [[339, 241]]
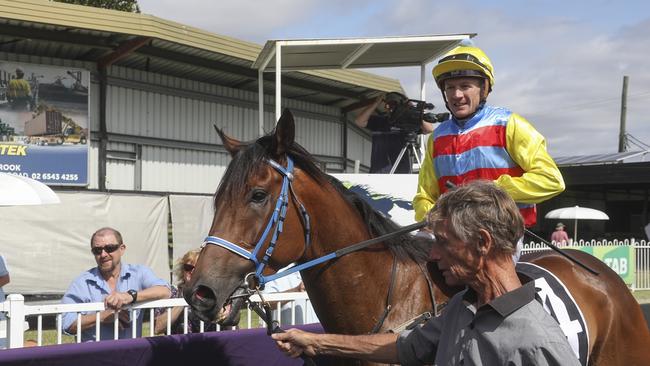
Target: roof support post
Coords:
[[423, 92], [260, 101], [260, 90], [278, 81], [103, 131], [344, 142]]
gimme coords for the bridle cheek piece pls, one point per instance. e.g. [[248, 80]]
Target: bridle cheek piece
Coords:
[[275, 223]]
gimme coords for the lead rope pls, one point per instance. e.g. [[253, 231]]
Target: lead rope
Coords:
[[272, 326]]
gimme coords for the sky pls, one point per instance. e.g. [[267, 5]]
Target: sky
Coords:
[[559, 64]]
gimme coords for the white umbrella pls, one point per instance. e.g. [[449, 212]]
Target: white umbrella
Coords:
[[17, 190], [576, 213]]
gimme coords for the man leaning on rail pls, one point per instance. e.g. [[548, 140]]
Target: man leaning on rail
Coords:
[[495, 321], [114, 283]]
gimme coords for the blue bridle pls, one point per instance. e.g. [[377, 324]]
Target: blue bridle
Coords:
[[276, 222]]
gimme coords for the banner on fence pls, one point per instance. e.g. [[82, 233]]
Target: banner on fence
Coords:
[[619, 258]]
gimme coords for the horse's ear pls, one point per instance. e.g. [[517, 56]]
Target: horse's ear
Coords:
[[230, 144], [285, 133]]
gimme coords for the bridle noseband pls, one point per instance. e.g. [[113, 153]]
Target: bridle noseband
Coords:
[[276, 222]]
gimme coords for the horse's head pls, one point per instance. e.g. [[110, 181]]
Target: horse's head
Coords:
[[254, 203]]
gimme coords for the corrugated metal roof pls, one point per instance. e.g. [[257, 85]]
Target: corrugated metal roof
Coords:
[[85, 33], [613, 158]]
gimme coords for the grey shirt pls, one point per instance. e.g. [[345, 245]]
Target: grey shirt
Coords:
[[512, 329]]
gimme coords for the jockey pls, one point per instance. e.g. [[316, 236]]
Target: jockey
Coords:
[[480, 141]]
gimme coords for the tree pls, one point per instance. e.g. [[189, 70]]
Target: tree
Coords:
[[130, 6]]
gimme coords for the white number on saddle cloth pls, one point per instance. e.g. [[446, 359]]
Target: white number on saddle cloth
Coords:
[[557, 309]]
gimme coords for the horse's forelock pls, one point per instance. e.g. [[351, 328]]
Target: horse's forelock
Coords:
[[235, 180], [251, 158]]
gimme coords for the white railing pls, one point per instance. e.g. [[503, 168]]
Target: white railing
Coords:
[[17, 312], [641, 251]]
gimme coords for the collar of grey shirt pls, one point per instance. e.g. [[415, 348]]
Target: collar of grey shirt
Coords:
[[507, 303]]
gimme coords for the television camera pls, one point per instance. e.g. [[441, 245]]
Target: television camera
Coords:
[[407, 114]]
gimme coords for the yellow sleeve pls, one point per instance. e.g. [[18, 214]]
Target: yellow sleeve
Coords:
[[11, 89], [427, 192], [527, 147]]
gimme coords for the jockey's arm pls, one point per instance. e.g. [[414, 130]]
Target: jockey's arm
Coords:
[[428, 191], [527, 147]]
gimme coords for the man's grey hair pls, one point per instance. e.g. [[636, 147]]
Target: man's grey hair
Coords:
[[480, 205]]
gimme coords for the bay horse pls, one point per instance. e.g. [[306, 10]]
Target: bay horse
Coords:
[[309, 215]]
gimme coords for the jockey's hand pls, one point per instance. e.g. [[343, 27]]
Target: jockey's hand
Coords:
[[295, 342]]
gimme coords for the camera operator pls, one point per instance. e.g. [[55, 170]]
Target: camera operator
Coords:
[[387, 140]]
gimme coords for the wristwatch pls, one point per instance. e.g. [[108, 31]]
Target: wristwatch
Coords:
[[134, 295]]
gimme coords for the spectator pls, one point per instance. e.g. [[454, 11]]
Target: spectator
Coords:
[[495, 320], [183, 273], [291, 283], [559, 236], [4, 280], [116, 284]]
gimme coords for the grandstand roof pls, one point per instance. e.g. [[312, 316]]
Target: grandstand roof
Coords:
[[146, 42]]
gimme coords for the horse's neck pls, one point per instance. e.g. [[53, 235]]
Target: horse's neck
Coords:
[[350, 293]]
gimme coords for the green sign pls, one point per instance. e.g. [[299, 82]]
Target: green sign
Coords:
[[619, 258]]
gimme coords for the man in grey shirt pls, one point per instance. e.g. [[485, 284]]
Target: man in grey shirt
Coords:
[[495, 321]]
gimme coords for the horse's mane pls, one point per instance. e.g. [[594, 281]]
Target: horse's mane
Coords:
[[404, 246], [253, 154]]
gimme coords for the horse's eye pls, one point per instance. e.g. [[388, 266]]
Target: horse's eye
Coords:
[[258, 196]]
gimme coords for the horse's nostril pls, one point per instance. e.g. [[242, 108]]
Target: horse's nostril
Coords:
[[201, 292], [204, 294]]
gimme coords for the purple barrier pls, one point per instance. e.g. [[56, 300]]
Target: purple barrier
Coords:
[[241, 347]]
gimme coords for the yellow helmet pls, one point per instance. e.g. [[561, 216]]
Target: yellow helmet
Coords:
[[464, 61]]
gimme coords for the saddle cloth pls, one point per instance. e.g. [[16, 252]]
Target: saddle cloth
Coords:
[[559, 303]]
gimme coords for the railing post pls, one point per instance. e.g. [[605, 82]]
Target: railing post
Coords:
[[16, 320], [635, 244]]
